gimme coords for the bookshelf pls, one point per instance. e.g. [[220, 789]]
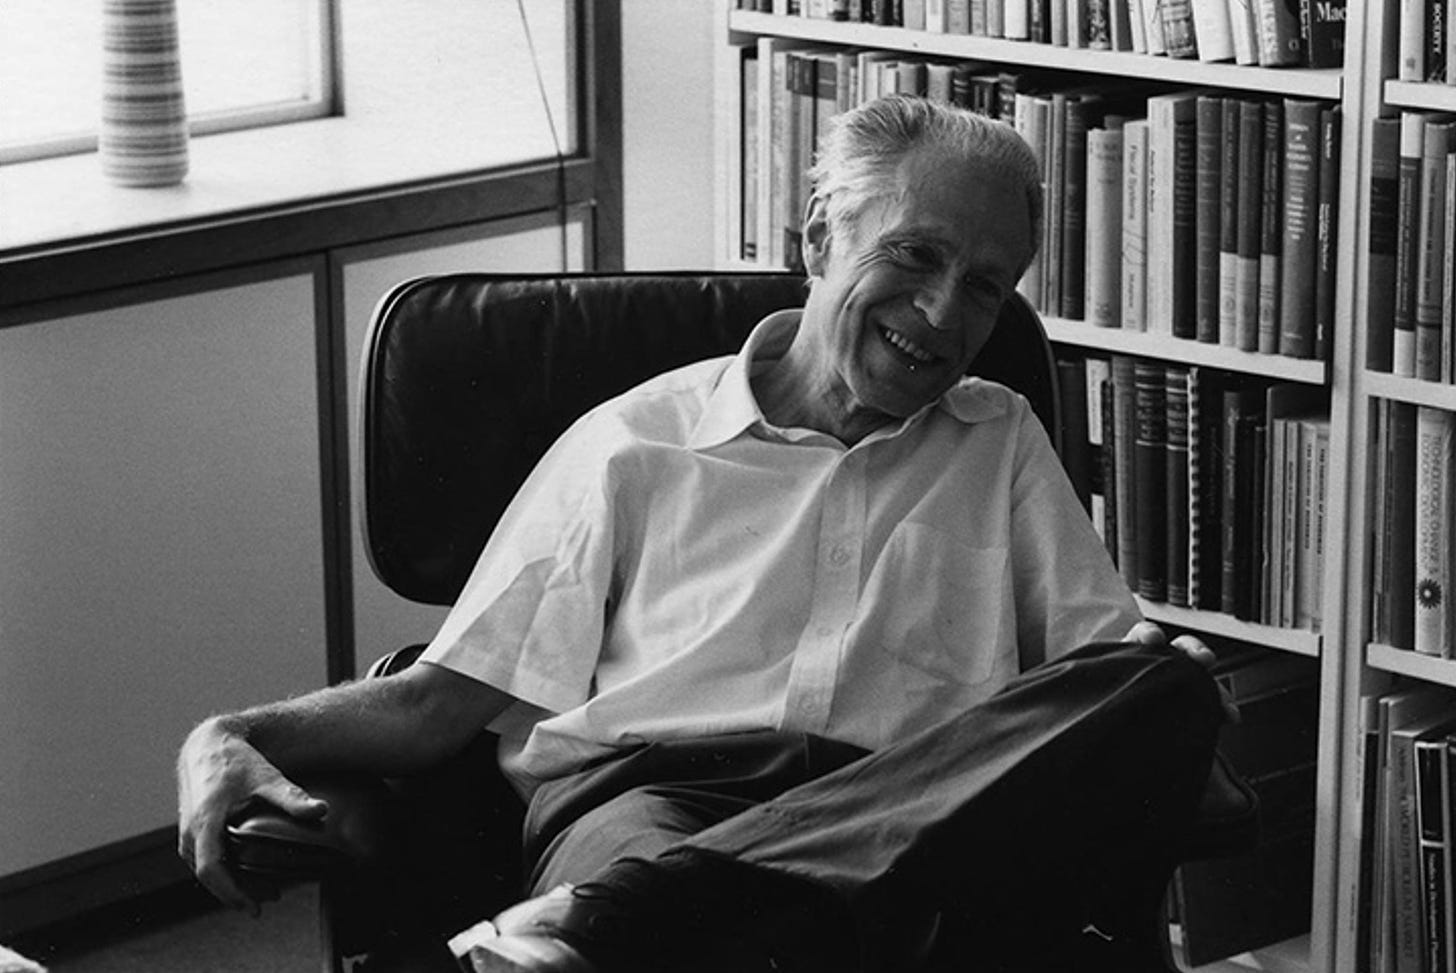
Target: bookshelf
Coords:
[[1350, 664]]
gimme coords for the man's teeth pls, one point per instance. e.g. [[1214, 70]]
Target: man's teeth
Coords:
[[903, 343]]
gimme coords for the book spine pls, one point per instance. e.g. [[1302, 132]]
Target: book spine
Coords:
[[1448, 281], [1412, 148], [1243, 32], [1153, 28], [1185, 222], [1198, 467], [1433, 530], [1380, 524], [1208, 231], [1300, 255], [1401, 489], [1276, 26], [1150, 479], [1177, 463], [1112, 519], [1095, 382], [1119, 18], [1137, 26], [1314, 582], [1176, 17], [748, 158], [1431, 829], [1381, 243], [1213, 30], [1431, 250], [1074, 211], [1228, 232], [1054, 169], [1323, 25], [1076, 453], [1124, 439], [1412, 41], [995, 18], [1018, 20], [1103, 256], [1134, 225], [1304, 589], [1327, 230], [1251, 182], [1099, 24], [1271, 235]]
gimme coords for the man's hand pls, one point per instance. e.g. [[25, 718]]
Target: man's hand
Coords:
[[218, 774], [1149, 633]]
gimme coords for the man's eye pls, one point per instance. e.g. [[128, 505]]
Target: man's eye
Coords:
[[915, 255]]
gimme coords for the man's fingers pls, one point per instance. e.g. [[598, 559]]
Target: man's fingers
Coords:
[[1193, 647], [212, 871], [294, 800], [1146, 633]]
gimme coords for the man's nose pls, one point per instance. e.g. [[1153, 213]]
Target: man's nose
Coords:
[[939, 302]]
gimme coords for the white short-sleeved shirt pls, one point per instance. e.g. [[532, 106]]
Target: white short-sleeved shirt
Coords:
[[677, 566]]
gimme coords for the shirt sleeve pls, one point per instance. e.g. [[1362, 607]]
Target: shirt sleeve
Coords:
[[531, 617], [1068, 591]]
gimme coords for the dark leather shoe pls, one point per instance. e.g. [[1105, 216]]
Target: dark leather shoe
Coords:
[[528, 938]]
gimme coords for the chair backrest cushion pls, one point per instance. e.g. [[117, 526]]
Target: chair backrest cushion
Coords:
[[469, 378]]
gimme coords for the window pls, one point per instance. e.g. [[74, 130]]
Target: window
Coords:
[[245, 63]]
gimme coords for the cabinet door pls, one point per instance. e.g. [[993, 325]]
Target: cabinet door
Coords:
[[160, 519], [383, 621]]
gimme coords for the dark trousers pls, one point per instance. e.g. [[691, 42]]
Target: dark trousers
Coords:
[[1052, 811]]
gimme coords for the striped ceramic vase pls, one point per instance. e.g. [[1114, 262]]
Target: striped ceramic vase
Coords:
[[143, 119]]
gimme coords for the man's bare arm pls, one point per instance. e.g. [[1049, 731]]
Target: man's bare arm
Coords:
[[392, 726]]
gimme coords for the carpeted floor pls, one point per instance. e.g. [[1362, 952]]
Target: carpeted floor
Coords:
[[186, 934]]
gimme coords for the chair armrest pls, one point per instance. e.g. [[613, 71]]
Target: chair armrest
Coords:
[[352, 835]]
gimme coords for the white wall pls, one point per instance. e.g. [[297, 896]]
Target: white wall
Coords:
[[667, 133]]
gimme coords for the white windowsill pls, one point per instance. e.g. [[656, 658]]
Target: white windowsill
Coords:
[[53, 202]]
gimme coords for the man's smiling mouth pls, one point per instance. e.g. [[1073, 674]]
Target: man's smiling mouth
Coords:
[[910, 349]]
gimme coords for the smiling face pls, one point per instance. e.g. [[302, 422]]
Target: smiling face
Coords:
[[906, 292]]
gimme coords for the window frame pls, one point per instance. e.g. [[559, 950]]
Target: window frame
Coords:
[[324, 104]]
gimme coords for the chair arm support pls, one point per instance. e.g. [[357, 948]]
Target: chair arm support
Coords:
[[352, 835]]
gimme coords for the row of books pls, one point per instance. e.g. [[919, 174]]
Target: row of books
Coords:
[[1266, 33], [1408, 773], [1412, 244], [1209, 217], [1208, 488], [1413, 538], [1427, 46], [1188, 213]]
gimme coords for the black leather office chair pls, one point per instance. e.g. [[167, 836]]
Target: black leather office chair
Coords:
[[467, 379]]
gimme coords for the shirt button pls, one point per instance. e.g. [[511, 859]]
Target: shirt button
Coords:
[[839, 556]]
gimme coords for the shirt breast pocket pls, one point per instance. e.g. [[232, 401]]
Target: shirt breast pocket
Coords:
[[941, 606]]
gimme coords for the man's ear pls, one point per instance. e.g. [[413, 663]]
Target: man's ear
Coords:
[[816, 234]]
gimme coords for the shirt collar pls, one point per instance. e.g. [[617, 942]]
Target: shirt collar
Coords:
[[732, 410]]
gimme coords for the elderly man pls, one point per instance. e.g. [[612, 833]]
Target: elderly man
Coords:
[[751, 636]]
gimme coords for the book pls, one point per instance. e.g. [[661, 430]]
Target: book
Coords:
[[1381, 243], [1081, 108], [1150, 483], [1431, 829], [1207, 227], [1276, 27], [1134, 224], [1176, 491], [1172, 141], [1432, 258], [1322, 22], [1285, 405], [1434, 428], [1448, 282], [1307, 584], [1251, 183], [1095, 383], [749, 153], [1300, 249], [1271, 221], [1327, 232], [1434, 68], [1412, 150], [1411, 41], [1228, 221], [1124, 439], [1098, 30], [1119, 19], [1152, 27], [1400, 522], [1242, 411], [1100, 378], [1033, 122], [1198, 467], [1176, 18], [1103, 247], [1076, 452], [1242, 30], [1205, 416], [1213, 30]]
